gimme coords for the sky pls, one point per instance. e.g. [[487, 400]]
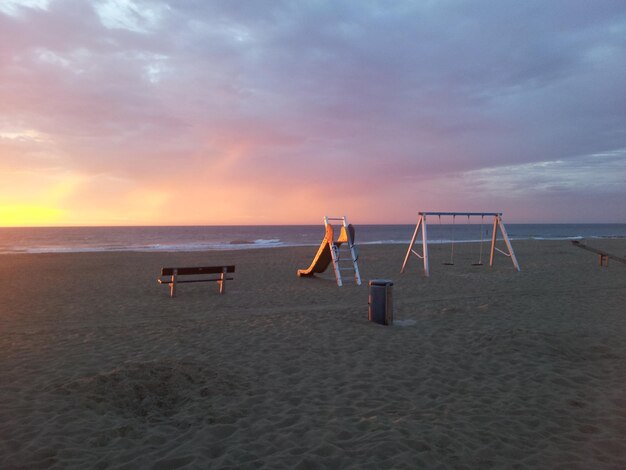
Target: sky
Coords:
[[200, 112]]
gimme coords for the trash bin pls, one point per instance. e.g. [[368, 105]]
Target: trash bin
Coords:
[[380, 301]]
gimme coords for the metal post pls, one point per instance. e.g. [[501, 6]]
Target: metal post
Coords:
[[408, 252], [508, 243], [425, 246], [493, 240]]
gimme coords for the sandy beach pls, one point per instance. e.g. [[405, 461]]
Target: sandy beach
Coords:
[[484, 368]]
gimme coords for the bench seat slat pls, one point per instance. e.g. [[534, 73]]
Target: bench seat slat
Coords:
[[197, 270], [169, 281]]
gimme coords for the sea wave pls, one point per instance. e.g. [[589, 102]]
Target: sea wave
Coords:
[[270, 241], [240, 242], [385, 242], [156, 247], [573, 237], [223, 243]]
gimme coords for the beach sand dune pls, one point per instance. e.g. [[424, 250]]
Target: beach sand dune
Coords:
[[484, 368]]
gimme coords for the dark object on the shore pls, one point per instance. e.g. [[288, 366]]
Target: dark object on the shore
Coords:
[[603, 256], [380, 302], [199, 273]]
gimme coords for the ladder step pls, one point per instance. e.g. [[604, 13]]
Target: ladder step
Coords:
[[346, 269]]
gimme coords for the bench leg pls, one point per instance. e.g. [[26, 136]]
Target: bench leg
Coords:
[[222, 281], [173, 285]]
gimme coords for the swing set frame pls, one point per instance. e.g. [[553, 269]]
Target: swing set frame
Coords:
[[497, 224]]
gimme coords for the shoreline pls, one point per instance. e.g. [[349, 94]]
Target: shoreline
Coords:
[[200, 239], [239, 246]]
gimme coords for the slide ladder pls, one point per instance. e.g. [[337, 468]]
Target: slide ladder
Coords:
[[347, 259]]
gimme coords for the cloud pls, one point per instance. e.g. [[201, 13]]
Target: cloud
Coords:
[[135, 16], [308, 103], [17, 7]]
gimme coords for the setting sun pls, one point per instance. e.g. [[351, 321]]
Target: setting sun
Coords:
[[29, 215]]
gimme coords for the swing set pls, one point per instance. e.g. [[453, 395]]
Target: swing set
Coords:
[[497, 224]]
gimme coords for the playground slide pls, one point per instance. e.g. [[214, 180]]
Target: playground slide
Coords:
[[323, 257]]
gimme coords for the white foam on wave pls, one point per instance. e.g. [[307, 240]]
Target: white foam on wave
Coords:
[[269, 241], [174, 247], [575, 237], [385, 242], [157, 247], [607, 237]]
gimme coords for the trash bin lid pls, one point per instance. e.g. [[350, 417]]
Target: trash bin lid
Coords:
[[381, 282]]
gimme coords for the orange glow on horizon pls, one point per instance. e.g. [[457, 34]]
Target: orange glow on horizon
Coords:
[[25, 215]]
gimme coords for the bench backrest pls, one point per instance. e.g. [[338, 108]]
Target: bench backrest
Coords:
[[197, 270]]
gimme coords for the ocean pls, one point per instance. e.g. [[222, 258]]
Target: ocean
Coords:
[[203, 238]]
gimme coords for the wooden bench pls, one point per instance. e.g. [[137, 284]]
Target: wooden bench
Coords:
[[201, 274], [603, 256]]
